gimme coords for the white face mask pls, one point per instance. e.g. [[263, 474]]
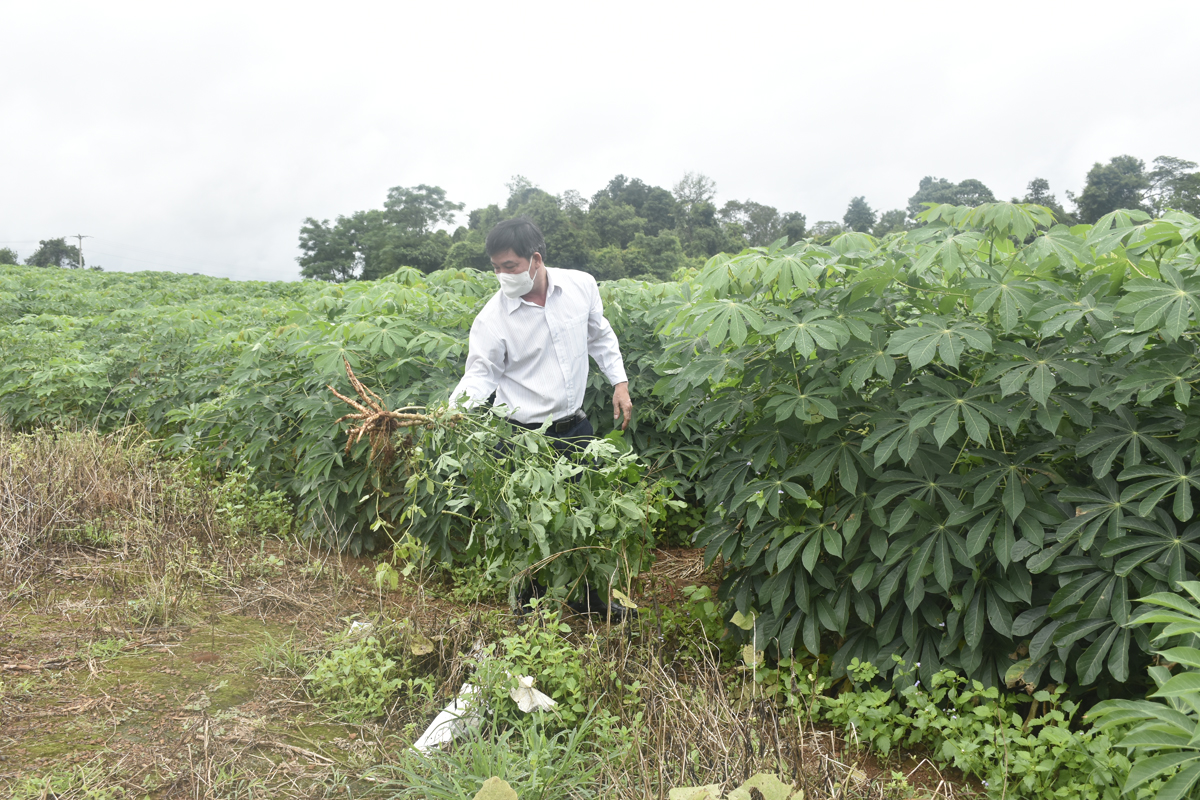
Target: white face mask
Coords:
[[518, 285]]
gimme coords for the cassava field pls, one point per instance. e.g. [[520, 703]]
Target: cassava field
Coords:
[[901, 516]]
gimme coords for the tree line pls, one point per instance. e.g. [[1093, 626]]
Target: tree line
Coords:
[[50, 253], [632, 229]]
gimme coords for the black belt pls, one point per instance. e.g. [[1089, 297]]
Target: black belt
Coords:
[[558, 427]]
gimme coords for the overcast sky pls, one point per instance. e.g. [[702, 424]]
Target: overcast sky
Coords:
[[197, 137]]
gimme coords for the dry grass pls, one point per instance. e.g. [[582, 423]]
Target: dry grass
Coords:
[[692, 726], [105, 492]]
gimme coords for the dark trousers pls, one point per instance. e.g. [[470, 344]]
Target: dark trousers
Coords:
[[566, 438]]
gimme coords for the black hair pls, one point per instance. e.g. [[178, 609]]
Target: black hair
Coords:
[[519, 235]]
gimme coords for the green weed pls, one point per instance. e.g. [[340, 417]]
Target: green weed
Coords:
[[536, 763], [979, 730], [280, 657]]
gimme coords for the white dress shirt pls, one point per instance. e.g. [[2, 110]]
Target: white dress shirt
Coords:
[[536, 358]]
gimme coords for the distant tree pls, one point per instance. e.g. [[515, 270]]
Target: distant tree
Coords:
[[701, 233], [9, 256], [889, 222], [694, 188], [55, 253], [654, 204], [569, 242], [1174, 184], [518, 188], [1038, 192], [794, 226], [467, 251], [615, 224], [757, 225], [484, 219], [659, 211], [970, 192], [572, 199], [608, 264], [654, 257], [368, 245], [859, 216], [1121, 183], [419, 209], [824, 231]]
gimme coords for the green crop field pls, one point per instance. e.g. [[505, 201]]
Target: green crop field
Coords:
[[964, 452]]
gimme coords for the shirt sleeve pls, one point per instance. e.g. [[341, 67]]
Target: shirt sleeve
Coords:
[[602, 340], [485, 364]]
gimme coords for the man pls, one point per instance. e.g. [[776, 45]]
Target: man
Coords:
[[530, 343]]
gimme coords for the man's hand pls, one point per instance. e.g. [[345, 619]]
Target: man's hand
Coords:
[[622, 405]]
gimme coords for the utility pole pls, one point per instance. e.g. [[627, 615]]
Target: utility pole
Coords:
[[81, 237]]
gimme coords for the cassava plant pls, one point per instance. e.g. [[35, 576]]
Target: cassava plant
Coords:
[[966, 442]]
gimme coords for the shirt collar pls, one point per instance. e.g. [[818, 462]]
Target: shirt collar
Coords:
[[512, 304]]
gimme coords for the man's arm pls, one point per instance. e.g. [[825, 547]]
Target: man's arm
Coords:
[[622, 405], [606, 350], [485, 363]]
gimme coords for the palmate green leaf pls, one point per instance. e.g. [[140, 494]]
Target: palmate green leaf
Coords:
[[1018, 220], [1037, 369], [935, 336], [1150, 380], [1147, 769], [805, 335], [381, 339], [722, 321], [1168, 305], [1160, 233], [954, 253], [1155, 483], [1124, 431], [1188, 656], [1091, 661], [1012, 296], [1058, 243], [1061, 315], [1181, 785], [868, 359], [1158, 541], [1112, 229], [1181, 617], [1099, 509], [937, 490], [804, 404], [944, 409], [1187, 683], [789, 273], [891, 434], [840, 455]]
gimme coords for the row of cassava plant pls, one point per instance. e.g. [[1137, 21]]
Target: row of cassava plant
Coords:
[[962, 442]]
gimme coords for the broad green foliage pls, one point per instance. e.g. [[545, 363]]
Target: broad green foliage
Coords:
[[953, 445], [1165, 738], [478, 488], [965, 441]]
